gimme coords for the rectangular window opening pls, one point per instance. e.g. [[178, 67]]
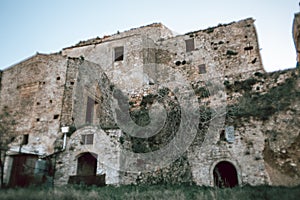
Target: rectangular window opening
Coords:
[[119, 53], [55, 116], [25, 139], [87, 139], [202, 69], [189, 45]]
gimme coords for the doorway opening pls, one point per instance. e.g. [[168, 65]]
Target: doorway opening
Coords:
[[22, 174], [86, 171], [87, 164], [225, 175]]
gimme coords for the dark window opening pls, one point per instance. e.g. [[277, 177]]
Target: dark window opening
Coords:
[[189, 45], [225, 175], [183, 62], [222, 136], [87, 164], [178, 63], [72, 82], [50, 101], [12, 139], [87, 139], [55, 116], [119, 53], [37, 103], [37, 119], [25, 139], [202, 69], [248, 48]]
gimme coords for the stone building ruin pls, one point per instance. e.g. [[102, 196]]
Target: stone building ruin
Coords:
[[65, 106]]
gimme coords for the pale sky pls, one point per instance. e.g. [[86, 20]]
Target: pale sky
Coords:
[[47, 26]]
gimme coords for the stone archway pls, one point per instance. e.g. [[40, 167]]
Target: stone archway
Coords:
[[225, 175]]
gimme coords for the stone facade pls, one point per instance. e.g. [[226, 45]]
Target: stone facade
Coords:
[[296, 36], [107, 106]]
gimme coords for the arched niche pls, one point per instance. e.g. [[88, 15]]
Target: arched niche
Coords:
[[225, 174]]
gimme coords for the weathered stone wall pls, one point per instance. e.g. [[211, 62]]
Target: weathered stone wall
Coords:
[[33, 92], [128, 73], [269, 101], [245, 153], [86, 79], [227, 51], [223, 73], [105, 146], [296, 35], [264, 113], [155, 32]]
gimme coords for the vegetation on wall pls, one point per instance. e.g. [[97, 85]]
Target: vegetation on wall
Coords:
[[202, 92], [177, 172], [140, 115], [262, 105]]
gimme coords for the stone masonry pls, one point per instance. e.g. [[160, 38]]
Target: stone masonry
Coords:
[[86, 110]]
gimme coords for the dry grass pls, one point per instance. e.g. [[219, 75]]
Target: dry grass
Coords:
[[152, 192]]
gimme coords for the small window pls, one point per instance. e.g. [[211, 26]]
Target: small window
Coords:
[[25, 139], [119, 53], [202, 69], [55, 116], [189, 45], [222, 135], [87, 139]]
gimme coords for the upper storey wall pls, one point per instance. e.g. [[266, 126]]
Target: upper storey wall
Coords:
[[125, 73], [154, 31], [226, 51], [33, 91]]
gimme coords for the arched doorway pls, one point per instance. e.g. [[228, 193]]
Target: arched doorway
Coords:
[[225, 175], [87, 164], [86, 171]]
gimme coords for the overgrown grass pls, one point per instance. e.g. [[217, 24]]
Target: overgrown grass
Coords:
[[153, 192]]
